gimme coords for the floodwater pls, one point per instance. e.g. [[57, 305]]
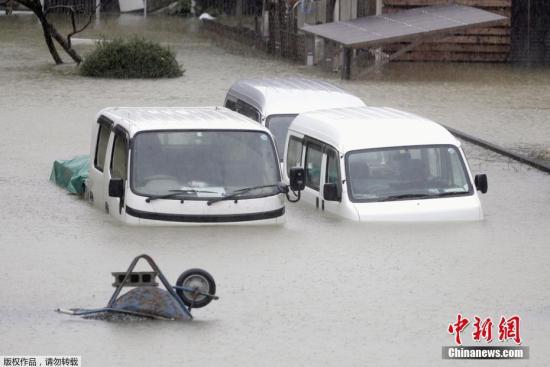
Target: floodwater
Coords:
[[317, 291]]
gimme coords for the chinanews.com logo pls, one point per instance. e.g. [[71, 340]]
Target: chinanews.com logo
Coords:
[[506, 329]]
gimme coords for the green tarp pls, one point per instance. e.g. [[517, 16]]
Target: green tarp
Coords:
[[71, 174]]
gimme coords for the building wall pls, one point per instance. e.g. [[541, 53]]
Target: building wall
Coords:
[[472, 45]]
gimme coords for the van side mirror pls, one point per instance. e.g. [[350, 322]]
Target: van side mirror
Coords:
[[332, 192], [116, 188], [481, 183], [297, 176]]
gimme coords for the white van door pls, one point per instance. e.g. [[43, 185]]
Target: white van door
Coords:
[[117, 168], [97, 178]]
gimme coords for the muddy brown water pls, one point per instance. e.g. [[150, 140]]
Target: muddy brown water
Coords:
[[319, 290]]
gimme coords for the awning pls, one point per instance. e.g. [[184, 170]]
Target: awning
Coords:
[[404, 26]]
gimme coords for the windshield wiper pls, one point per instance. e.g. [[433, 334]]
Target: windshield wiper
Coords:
[[421, 196], [281, 186], [405, 196], [174, 193], [449, 193]]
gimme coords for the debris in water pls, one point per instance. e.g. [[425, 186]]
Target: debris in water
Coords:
[[206, 16], [195, 288]]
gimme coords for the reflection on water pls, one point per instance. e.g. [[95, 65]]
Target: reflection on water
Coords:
[[319, 290]]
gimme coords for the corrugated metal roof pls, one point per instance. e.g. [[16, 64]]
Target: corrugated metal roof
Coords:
[[291, 95], [406, 25], [370, 127]]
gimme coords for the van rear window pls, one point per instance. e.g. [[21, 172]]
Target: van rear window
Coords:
[[232, 105]]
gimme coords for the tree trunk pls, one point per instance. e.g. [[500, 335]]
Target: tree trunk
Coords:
[[49, 32], [49, 42], [51, 47], [63, 42]]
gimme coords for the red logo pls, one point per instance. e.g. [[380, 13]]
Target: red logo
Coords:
[[508, 328], [483, 330], [458, 327]]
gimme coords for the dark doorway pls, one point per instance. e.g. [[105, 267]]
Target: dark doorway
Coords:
[[530, 32]]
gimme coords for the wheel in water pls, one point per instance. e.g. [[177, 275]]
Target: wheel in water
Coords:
[[196, 279]]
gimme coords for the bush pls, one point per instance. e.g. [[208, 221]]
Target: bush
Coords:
[[135, 58], [179, 7]]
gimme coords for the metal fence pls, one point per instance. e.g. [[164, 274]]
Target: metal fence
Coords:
[[284, 38], [230, 7], [63, 6]]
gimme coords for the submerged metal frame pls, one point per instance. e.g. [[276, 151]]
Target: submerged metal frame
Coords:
[[161, 276], [110, 305]]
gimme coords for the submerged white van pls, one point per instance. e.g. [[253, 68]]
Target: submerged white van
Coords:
[[276, 102], [381, 164], [184, 165]]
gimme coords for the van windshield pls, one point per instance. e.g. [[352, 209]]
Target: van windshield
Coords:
[[416, 172], [278, 125], [203, 164]]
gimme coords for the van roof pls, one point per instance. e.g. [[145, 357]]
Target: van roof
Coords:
[[135, 119], [370, 127], [292, 95]]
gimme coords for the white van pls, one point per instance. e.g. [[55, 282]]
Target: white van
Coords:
[[381, 164], [184, 165], [276, 102]]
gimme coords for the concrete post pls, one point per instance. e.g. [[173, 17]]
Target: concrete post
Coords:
[[239, 8], [346, 63], [348, 9], [310, 50]]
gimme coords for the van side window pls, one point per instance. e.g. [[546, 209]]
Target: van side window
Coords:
[[232, 105], [314, 156], [294, 154], [245, 109], [333, 171], [101, 146], [119, 158]]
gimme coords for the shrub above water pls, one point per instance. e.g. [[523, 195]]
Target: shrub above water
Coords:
[[135, 58]]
